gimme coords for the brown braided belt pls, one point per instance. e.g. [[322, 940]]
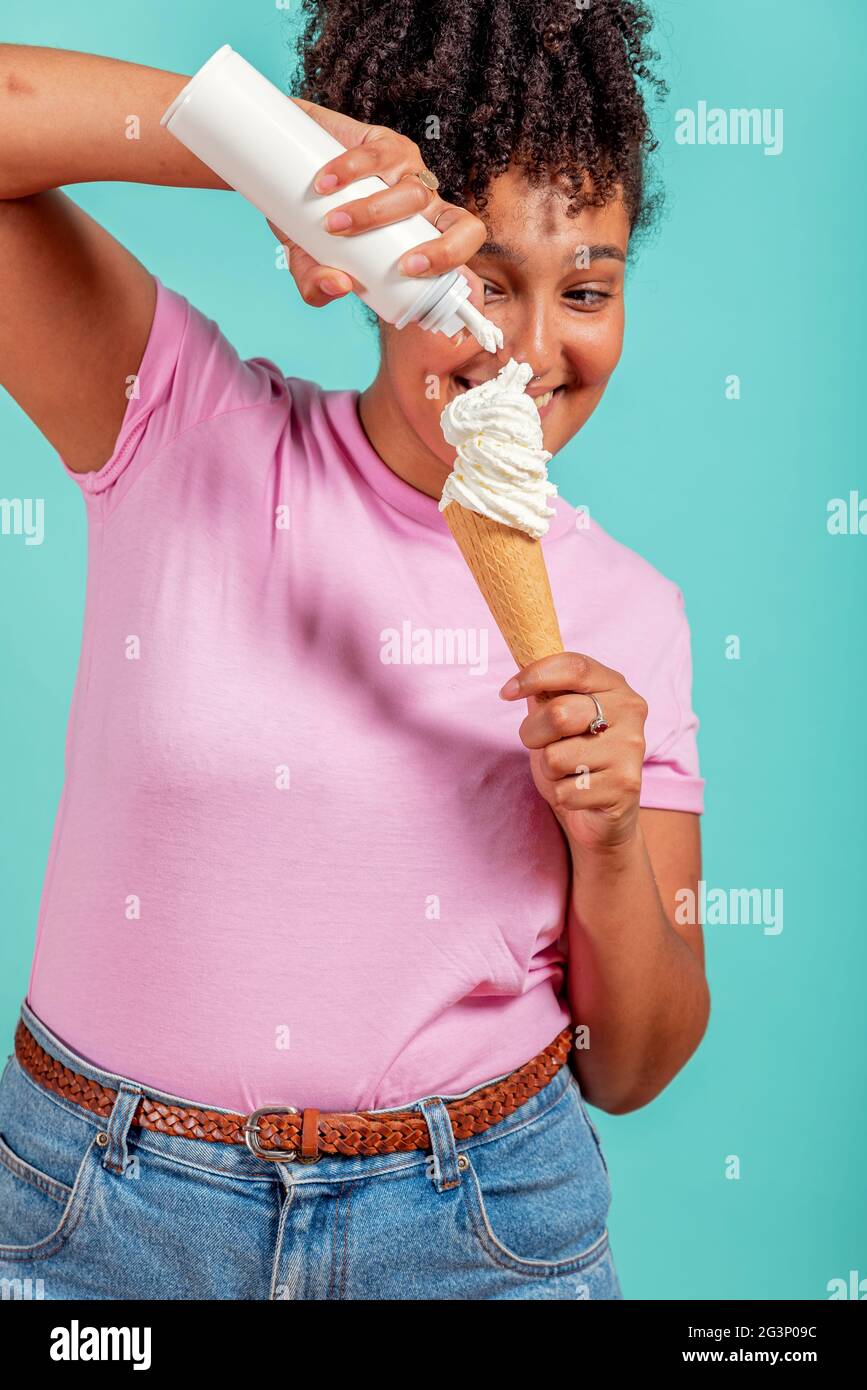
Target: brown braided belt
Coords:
[[283, 1133]]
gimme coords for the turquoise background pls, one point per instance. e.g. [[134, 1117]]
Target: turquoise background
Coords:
[[757, 270]]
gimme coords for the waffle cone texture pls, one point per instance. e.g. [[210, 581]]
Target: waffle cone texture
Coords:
[[509, 569]]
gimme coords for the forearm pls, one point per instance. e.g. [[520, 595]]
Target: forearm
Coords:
[[633, 982], [68, 117]]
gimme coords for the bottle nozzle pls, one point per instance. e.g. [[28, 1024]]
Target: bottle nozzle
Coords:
[[486, 333], [445, 307]]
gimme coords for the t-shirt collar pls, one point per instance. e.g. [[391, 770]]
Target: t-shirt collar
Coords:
[[395, 490]]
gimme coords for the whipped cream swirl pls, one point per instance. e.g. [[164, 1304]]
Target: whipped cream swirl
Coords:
[[501, 465]]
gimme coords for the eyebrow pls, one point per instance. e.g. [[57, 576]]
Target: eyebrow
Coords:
[[599, 252]]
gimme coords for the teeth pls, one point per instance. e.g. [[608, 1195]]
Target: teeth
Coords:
[[539, 400]]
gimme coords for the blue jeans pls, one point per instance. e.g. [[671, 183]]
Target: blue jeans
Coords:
[[93, 1208]]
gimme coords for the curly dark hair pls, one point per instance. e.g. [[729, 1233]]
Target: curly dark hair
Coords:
[[557, 86]]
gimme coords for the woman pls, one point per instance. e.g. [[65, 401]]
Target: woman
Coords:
[[321, 911]]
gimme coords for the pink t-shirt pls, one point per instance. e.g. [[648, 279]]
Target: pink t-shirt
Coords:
[[299, 856]]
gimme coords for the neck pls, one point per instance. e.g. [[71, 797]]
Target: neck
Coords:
[[396, 441]]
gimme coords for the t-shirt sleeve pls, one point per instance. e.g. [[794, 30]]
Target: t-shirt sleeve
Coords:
[[671, 780], [189, 372]]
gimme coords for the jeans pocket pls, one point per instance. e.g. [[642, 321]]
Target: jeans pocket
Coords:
[[537, 1197], [39, 1212], [594, 1132]]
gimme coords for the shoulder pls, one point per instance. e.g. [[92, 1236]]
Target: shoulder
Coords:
[[599, 576], [189, 375], [191, 342], [618, 608]]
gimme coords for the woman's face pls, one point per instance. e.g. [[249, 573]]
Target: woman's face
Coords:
[[554, 285]]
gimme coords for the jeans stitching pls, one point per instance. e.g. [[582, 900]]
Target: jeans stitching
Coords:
[[70, 1220], [25, 1172], [334, 1236], [597, 1140], [520, 1264]]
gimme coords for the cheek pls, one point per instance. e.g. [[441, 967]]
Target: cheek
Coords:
[[417, 371], [422, 396], [404, 356], [596, 351]]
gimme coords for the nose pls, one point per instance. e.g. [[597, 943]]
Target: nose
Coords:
[[531, 334]]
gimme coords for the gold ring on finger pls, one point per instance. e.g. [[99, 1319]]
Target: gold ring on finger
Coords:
[[429, 180]]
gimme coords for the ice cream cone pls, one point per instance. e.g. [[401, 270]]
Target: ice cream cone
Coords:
[[509, 568]]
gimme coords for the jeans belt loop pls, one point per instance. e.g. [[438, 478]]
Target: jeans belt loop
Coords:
[[309, 1137]]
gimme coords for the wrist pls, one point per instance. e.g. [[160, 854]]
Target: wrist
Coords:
[[608, 857]]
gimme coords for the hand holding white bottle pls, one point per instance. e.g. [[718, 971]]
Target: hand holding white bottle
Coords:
[[266, 146]]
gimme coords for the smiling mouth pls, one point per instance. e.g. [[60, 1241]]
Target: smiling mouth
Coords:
[[464, 384]]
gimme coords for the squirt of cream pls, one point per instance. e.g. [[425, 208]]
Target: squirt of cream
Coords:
[[501, 466]]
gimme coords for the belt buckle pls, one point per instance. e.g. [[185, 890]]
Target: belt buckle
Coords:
[[251, 1131]]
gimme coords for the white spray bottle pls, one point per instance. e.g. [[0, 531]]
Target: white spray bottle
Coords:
[[263, 145]]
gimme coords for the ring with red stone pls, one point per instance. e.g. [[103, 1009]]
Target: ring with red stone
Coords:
[[600, 723]]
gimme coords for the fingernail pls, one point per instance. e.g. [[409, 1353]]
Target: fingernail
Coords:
[[330, 286], [416, 263], [337, 221], [511, 687], [326, 182]]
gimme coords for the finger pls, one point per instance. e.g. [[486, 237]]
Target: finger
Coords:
[[562, 717], [573, 757], [562, 671], [317, 284], [598, 792], [462, 235], [346, 130], [378, 209], [323, 284], [383, 152]]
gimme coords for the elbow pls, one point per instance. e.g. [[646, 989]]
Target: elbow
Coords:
[[649, 1083]]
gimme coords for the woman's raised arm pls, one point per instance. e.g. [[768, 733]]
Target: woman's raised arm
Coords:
[[77, 306]]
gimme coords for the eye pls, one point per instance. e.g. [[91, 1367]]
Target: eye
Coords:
[[590, 298]]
